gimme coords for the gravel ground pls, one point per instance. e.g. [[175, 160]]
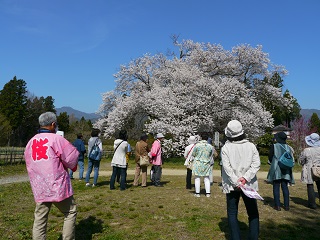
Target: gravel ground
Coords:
[[166, 172]]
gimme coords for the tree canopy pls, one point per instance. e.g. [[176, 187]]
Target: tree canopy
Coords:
[[201, 89]]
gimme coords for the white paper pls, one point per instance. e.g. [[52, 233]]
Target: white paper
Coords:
[[251, 193]]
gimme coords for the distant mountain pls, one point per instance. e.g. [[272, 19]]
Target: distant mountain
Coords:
[[307, 113], [77, 114]]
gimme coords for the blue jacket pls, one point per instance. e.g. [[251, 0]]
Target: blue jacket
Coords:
[[80, 147]]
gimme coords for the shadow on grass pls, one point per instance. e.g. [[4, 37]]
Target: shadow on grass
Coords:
[[299, 201], [224, 227], [268, 201], [86, 228], [305, 227]]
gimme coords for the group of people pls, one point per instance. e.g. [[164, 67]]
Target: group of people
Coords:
[[119, 162], [283, 177], [199, 155], [92, 164], [240, 164], [49, 156]]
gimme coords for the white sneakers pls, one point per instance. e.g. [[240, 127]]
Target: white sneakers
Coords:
[[88, 185], [198, 195]]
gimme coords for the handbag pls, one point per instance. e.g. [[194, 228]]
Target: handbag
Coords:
[[144, 161], [315, 170]]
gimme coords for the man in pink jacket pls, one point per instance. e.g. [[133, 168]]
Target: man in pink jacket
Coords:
[[156, 160], [48, 157]]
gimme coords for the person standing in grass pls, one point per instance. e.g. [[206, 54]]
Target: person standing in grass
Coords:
[[277, 175], [189, 160], [240, 164], [202, 161], [156, 160], [119, 160], [95, 164], [310, 157], [48, 157], [141, 149], [78, 143]]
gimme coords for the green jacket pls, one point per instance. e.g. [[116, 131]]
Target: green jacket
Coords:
[[275, 172]]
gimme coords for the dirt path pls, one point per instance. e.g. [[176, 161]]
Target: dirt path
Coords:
[[165, 172]]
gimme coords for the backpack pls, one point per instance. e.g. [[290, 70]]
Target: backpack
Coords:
[[286, 160], [95, 152]]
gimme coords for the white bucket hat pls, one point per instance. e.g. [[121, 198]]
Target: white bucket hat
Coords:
[[160, 135], [233, 129], [313, 140], [192, 140]]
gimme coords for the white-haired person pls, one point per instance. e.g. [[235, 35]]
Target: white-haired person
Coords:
[[240, 164], [48, 157], [192, 140], [310, 157]]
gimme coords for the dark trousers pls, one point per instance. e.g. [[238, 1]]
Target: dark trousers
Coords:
[[157, 172], [119, 175], [285, 191], [115, 172], [311, 194], [232, 212], [188, 178]]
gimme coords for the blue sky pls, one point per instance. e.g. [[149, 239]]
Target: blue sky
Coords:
[[70, 49]]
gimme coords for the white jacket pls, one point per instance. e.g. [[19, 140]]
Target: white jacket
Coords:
[[239, 159], [119, 156], [188, 153]]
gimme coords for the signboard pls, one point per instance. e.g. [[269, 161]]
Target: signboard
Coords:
[[61, 133], [216, 139]]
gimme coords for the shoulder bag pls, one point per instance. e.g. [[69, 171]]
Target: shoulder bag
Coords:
[[144, 160], [190, 162], [286, 160]]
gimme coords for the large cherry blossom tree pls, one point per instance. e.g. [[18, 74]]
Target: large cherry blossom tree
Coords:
[[201, 89]]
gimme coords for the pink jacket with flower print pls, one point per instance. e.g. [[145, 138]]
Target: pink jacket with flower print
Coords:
[[156, 153], [48, 157]]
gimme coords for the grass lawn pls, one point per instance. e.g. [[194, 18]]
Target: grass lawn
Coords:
[[171, 212]]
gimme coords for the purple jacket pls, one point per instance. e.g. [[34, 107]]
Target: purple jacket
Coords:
[[48, 157]]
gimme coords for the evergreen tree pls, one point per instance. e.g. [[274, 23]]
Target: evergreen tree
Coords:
[[63, 122], [282, 113], [5, 130], [314, 123], [13, 105]]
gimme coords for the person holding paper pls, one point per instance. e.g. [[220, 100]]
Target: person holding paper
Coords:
[[240, 164]]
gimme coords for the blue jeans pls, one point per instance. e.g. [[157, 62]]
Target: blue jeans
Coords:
[[123, 176], [95, 165], [81, 169], [285, 191], [232, 211]]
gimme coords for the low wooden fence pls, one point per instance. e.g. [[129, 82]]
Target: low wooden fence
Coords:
[[11, 156], [15, 155]]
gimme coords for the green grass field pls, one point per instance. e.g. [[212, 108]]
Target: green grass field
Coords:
[[171, 212]]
